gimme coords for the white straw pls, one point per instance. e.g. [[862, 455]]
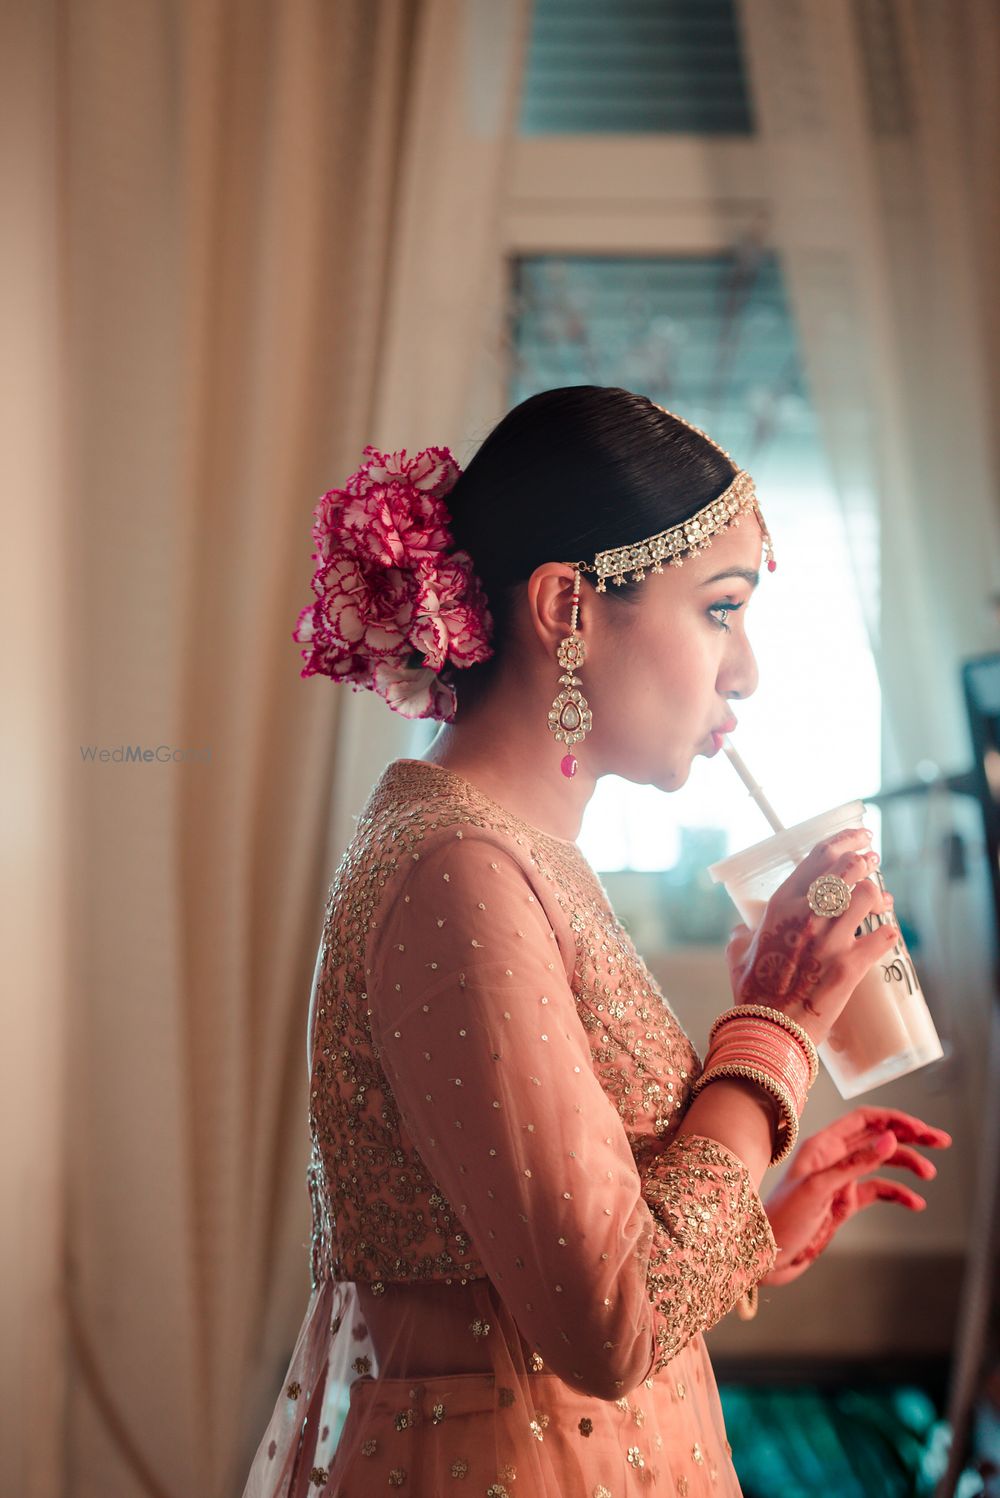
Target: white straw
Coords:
[[758, 795]]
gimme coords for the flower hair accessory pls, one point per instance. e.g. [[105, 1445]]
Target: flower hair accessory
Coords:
[[394, 604]]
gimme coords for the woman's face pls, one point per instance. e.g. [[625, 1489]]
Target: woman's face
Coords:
[[660, 670]]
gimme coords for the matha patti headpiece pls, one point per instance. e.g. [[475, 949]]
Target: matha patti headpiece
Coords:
[[688, 537], [570, 718]]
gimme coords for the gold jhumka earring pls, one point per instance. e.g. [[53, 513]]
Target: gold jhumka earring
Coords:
[[570, 718]]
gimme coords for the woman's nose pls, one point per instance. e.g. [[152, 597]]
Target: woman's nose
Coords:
[[739, 676]]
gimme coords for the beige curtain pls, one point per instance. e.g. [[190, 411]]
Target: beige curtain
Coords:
[[253, 235]]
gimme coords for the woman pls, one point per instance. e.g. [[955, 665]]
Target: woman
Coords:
[[530, 1199]]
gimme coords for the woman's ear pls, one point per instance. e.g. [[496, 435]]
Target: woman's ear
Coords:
[[550, 604]]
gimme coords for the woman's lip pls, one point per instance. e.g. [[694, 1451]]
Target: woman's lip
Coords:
[[717, 741]]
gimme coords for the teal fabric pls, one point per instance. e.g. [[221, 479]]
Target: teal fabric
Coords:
[[850, 1443]]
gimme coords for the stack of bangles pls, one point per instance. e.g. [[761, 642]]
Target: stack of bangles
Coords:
[[765, 1046]]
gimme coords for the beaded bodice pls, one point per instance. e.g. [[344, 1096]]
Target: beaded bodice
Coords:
[[377, 1213]]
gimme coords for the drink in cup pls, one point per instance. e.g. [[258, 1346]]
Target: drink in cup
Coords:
[[885, 1030]]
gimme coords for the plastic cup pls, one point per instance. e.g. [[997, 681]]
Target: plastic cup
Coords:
[[885, 1030]]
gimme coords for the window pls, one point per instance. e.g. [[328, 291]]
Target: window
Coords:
[[711, 337], [669, 66], [635, 239]]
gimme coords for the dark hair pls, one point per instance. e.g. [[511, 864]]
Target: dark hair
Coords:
[[565, 474]]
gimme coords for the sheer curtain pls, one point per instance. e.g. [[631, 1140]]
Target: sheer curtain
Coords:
[[252, 237], [882, 142], [880, 125]]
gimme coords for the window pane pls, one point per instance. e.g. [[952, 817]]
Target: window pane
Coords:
[[635, 66], [712, 338]]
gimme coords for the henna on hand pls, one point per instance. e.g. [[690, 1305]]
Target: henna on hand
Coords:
[[839, 1209], [784, 967]]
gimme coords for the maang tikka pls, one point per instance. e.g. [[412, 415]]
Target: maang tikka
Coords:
[[570, 718]]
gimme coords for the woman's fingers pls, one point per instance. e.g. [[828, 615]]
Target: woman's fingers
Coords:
[[866, 1157], [904, 1157], [910, 1130], [908, 1159], [853, 1126], [876, 1189], [739, 939], [825, 856]]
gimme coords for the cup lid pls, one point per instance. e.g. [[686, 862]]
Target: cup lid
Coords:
[[789, 846]]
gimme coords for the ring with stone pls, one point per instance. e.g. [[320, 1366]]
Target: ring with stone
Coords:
[[829, 895]]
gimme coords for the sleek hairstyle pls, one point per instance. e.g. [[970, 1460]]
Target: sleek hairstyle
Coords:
[[565, 474]]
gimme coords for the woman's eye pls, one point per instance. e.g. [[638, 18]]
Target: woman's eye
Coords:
[[728, 608]]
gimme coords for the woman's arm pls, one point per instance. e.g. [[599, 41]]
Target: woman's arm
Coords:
[[741, 1115], [608, 1274]]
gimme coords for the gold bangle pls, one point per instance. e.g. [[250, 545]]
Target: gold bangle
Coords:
[[777, 1090], [778, 1017]]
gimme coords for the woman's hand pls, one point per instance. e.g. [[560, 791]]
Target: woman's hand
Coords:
[[822, 1186], [808, 965]]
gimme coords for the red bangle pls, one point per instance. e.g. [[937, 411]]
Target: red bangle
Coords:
[[765, 1040], [774, 1017]]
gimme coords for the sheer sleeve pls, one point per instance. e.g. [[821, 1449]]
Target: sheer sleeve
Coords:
[[607, 1273]]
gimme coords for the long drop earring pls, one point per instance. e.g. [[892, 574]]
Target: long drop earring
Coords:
[[570, 718]]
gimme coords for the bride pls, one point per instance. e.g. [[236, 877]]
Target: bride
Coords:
[[531, 1196]]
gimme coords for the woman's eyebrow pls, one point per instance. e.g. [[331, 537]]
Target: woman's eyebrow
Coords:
[[747, 573]]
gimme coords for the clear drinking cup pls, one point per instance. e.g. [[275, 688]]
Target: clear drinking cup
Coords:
[[885, 1030]]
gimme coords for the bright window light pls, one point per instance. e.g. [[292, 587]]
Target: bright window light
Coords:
[[810, 734]]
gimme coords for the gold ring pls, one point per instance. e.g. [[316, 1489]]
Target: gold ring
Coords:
[[829, 895]]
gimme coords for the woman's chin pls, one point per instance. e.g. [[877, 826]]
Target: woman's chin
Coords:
[[671, 779]]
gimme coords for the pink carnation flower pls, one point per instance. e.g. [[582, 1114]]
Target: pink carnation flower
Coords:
[[415, 692], [447, 614], [387, 590]]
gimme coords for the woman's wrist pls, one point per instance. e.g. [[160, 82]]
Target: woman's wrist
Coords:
[[739, 1114]]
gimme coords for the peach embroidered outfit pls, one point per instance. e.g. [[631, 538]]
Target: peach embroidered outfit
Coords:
[[513, 1257]]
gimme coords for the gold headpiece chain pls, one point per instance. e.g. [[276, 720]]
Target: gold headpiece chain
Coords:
[[688, 537]]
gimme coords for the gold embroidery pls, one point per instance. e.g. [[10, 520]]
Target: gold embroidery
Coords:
[[378, 1215], [704, 1200], [371, 1194], [459, 1467]]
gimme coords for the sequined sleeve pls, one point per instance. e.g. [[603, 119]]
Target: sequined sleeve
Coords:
[[607, 1272]]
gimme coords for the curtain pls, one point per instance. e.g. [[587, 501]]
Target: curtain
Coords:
[[254, 235], [879, 121], [880, 127]]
